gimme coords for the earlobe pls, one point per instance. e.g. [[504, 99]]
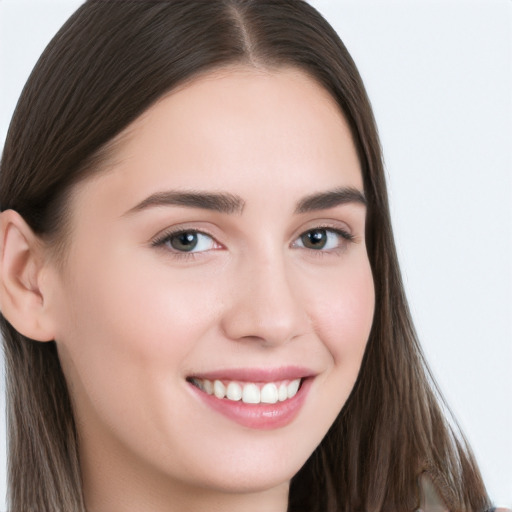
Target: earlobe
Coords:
[[22, 300]]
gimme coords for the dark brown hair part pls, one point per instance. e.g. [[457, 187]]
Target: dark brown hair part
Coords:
[[107, 65]]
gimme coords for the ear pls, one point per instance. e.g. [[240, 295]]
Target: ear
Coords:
[[22, 300]]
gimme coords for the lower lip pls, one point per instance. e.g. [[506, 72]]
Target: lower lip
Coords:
[[258, 416]]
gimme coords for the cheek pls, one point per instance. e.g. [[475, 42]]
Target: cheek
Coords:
[[155, 317], [344, 314], [126, 338], [122, 326]]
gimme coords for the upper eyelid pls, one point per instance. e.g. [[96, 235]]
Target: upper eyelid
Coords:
[[198, 225], [184, 228], [166, 234], [333, 225]]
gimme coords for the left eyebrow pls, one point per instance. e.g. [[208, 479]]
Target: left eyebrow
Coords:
[[330, 199], [219, 202]]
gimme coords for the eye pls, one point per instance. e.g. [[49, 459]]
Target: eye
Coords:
[[323, 239], [187, 241]]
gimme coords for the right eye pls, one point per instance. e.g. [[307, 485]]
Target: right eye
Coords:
[[188, 241]]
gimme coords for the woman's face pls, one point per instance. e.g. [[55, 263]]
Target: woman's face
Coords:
[[223, 248]]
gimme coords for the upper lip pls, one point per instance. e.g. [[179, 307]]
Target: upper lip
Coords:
[[257, 374]]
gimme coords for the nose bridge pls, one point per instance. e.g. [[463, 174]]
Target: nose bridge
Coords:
[[266, 305]]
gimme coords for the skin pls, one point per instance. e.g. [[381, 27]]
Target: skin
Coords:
[[133, 320]]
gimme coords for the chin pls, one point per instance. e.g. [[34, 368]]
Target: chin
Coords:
[[259, 468]]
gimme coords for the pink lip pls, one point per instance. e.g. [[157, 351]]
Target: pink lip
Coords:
[[257, 416], [257, 374]]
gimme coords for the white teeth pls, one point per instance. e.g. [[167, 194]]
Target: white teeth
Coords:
[[293, 387], [249, 393], [234, 391], [269, 394], [283, 392], [208, 387], [219, 390]]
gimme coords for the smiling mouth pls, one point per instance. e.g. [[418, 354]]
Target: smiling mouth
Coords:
[[249, 392]]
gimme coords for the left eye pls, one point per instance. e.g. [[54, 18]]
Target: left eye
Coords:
[[322, 239], [189, 241]]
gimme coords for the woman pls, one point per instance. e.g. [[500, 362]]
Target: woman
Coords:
[[201, 301]]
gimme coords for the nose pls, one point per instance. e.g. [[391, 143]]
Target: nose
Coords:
[[265, 304]]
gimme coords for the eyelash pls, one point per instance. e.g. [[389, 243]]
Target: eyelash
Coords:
[[166, 238]]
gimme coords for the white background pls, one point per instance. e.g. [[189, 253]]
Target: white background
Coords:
[[439, 75]]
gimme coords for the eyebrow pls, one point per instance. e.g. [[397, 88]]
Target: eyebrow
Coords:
[[226, 203], [219, 202], [330, 199]]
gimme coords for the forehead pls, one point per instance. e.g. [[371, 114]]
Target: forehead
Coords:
[[240, 128]]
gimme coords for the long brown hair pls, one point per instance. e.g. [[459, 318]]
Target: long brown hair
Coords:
[[109, 63]]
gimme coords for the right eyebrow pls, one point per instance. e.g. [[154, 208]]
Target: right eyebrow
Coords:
[[220, 202], [330, 199]]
